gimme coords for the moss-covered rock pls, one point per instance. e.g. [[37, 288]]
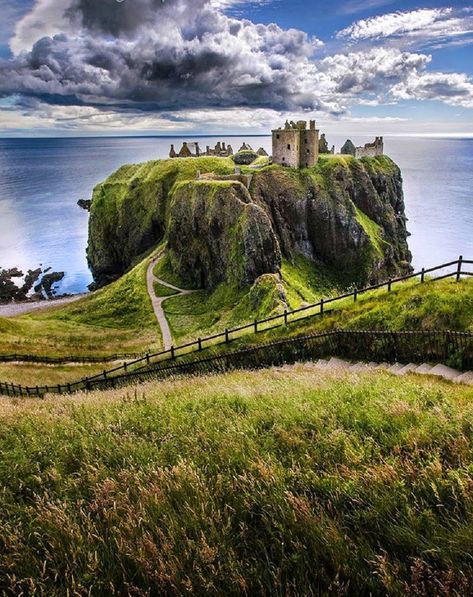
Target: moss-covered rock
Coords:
[[217, 234], [343, 213], [128, 211], [244, 157]]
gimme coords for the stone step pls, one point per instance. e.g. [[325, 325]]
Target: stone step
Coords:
[[359, 366], [406, 369], [384, 366], [424, 368], [466, 377], [444, 371], [335, 363]]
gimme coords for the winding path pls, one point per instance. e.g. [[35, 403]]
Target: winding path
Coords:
[[157, 301]]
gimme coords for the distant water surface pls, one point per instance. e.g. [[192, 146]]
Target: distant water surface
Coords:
[[42, 179]]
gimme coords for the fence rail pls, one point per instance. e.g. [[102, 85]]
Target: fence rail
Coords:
[[288, 317], [454, 348]]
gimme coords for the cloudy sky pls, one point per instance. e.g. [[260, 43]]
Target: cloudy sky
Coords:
[[72, 67]]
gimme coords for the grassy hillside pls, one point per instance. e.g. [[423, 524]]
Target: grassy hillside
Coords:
[[247, 483], [116, 319], [32, 374], [205, 313], [445, 304], [442, 305]]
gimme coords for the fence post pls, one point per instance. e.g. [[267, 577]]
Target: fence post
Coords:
[[355, 294], [172, 353], [285, 316], [147, 357], [459, 267], [422, 275], [389, 285], [321, 306], [256, 326], [199, 342], [227, 337]]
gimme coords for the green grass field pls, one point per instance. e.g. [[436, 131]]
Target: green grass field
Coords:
[[116, 319], [249, 483], [442, 305], [32, 374], [161, 290]]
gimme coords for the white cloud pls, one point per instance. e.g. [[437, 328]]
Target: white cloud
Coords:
[[370, 71], [422, 25], [452, 88], [163, 67], [47, 18]]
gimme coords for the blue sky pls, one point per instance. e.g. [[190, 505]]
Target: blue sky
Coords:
[[74, 67]]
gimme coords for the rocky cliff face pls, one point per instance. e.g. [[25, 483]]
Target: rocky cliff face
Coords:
[[345, 213], [217, 234]]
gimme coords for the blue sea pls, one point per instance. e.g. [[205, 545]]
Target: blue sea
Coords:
[[41, 181]]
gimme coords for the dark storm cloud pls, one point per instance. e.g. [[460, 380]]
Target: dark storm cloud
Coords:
[[155, 55], [125, 18]]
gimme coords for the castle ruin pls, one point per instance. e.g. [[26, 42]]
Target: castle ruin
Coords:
[[295, 145], [369, 150], [192, 150]]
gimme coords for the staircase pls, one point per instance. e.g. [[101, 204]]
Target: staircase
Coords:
[[334, 364]]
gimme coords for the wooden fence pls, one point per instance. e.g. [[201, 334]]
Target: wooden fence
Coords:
[[228, 335], [454, 348]]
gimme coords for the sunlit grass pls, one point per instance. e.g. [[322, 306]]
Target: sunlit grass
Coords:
[[269, 482], [116, 319], [32, 374]]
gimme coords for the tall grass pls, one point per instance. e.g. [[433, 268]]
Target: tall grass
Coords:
[[248, 483]]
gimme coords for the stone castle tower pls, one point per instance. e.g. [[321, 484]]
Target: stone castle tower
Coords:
[[295, 145]]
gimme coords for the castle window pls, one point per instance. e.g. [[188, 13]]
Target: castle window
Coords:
[[277, 136], [308, 151], [288, 146]]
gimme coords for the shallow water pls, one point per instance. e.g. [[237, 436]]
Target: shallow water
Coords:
[[42, 179]]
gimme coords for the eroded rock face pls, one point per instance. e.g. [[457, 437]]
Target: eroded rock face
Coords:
[[218, 234], [350, 216], [344, 213]]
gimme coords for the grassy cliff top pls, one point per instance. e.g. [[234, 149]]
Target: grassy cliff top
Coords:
[[184, 169]]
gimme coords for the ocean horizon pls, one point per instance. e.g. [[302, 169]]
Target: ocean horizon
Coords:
[[41, 180]]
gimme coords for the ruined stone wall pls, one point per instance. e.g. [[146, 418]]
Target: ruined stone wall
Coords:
[[245, 179], [370, 150]]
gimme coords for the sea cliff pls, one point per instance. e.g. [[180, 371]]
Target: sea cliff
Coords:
[[344, 213]]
